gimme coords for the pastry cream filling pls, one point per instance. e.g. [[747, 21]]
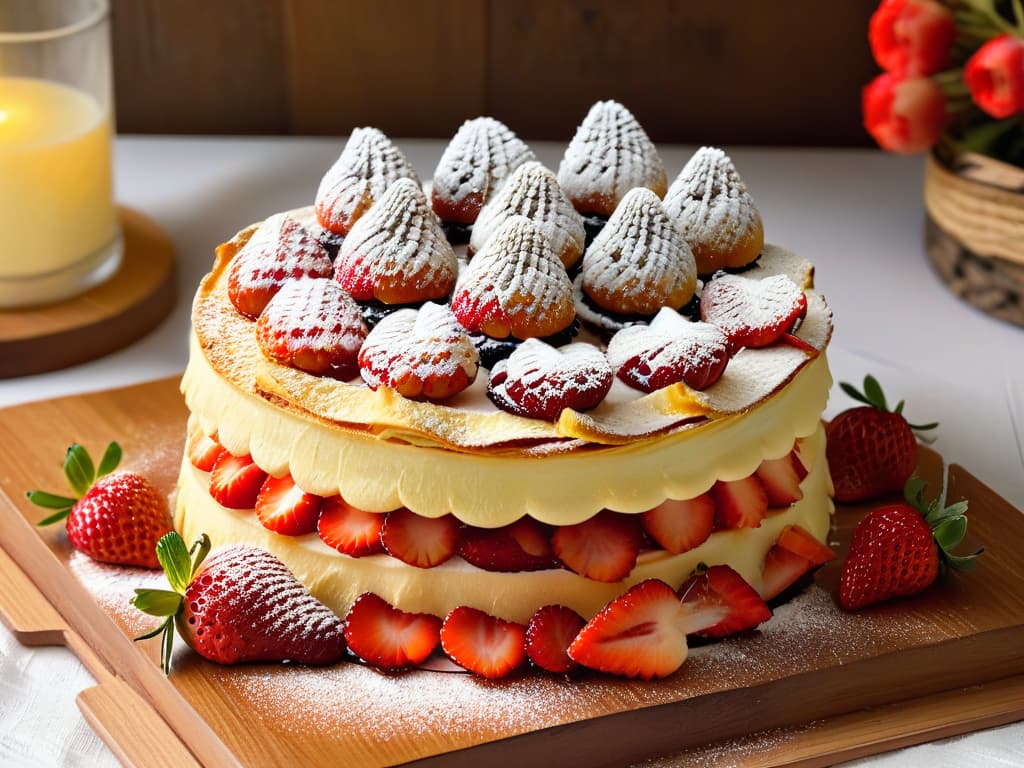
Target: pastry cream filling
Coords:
[[337, 579], [493, 490]]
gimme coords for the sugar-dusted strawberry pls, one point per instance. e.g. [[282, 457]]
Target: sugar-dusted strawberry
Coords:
[[740, 503], [313, 325], [203, 451], [539, 381], [388, 638], [421, 354], [351, 531], [603, 548], [721, 603], [781, 479], [752, 313], [669, 350], [241, 604], [641, 633], [280, 250], [420, 541], [115, 517], [899, 549], [520, 546], [285, 508], [679, 525], [794, 554], [485, 645], [235, 481], [871, 450], [548, 635]]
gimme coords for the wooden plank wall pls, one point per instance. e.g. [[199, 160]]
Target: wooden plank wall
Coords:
[[735, 71]]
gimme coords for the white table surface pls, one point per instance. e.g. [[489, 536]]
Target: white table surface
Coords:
[[856, 213]]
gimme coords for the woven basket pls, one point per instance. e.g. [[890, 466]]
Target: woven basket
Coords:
[[974, 231]]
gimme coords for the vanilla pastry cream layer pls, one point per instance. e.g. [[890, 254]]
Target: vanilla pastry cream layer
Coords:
[[337, 579]]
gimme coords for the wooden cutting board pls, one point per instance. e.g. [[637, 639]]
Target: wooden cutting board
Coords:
[[813, 686]]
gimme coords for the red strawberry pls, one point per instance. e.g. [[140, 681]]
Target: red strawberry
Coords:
[[548, 636], [721, 603], [603, 548], [482, 644], [313, 325], [871, 450], [243, 604], [116, 517], [538, 381], [420, 541], [388, 638], [899, 549], [680, 525], [795, 553], [235, 481], [781, 479], [521, 546], [203, 451], [740, 503], [797, 540], [641, 634], [752, 313], [671, 349], [280, 250], [285, 508], [349, 530]]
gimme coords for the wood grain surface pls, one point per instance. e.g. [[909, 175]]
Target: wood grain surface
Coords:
[[807, 689]]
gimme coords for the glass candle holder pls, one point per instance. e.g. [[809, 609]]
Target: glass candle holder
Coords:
[[58, 224]]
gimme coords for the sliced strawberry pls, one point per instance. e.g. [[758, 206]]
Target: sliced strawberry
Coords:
[[548, 636], [285, 508], [781, 478], [603, 548], [235, 481], [203, 451], [721, 603], [752, 313], [782, 569], [641, 634], [679, 526], [420, 541], [349, 530], [521, 546], [482, 644], [740, 503], [798, 541], [388, 638]]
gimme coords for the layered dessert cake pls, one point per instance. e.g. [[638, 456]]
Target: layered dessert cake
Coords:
[[613, 390]]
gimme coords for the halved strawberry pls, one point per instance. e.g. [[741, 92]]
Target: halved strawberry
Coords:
[[740, 503], [481, 643], [603, 548], [388, 638], [781, 478], [420, 541], [203, 451], [349, 530], [752, 313], [795, 553], [521, 546], [641, 634], [721, 603], [285, 508], [800, 542], [235, 481], [680, 525], [548, 636]]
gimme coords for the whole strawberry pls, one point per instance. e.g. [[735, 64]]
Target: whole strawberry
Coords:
[[116, 517], [900, 549], [871, 450], [242, 605]]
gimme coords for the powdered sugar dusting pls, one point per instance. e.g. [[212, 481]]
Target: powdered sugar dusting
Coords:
[[113, 587], [533, 191], [639, 262], [736, 303]]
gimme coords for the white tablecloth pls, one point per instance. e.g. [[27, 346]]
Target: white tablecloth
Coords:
[[856, 213]]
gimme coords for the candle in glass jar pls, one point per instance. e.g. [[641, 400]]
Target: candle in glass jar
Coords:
[[56, 201]]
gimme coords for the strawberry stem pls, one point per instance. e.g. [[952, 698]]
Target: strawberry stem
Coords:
[[948, 524], [81, 473], [875, 397]]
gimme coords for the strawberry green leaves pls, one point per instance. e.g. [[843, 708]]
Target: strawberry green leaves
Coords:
[[875, 397], [81, 473]]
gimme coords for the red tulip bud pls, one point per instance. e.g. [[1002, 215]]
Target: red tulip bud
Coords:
[[904, 114], [995, 76], [911, 37]]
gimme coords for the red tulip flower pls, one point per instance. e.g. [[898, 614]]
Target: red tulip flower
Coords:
[[904, 114], [995, 76], [912, 37]]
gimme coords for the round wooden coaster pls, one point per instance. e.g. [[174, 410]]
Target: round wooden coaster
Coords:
[[106, 318]]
